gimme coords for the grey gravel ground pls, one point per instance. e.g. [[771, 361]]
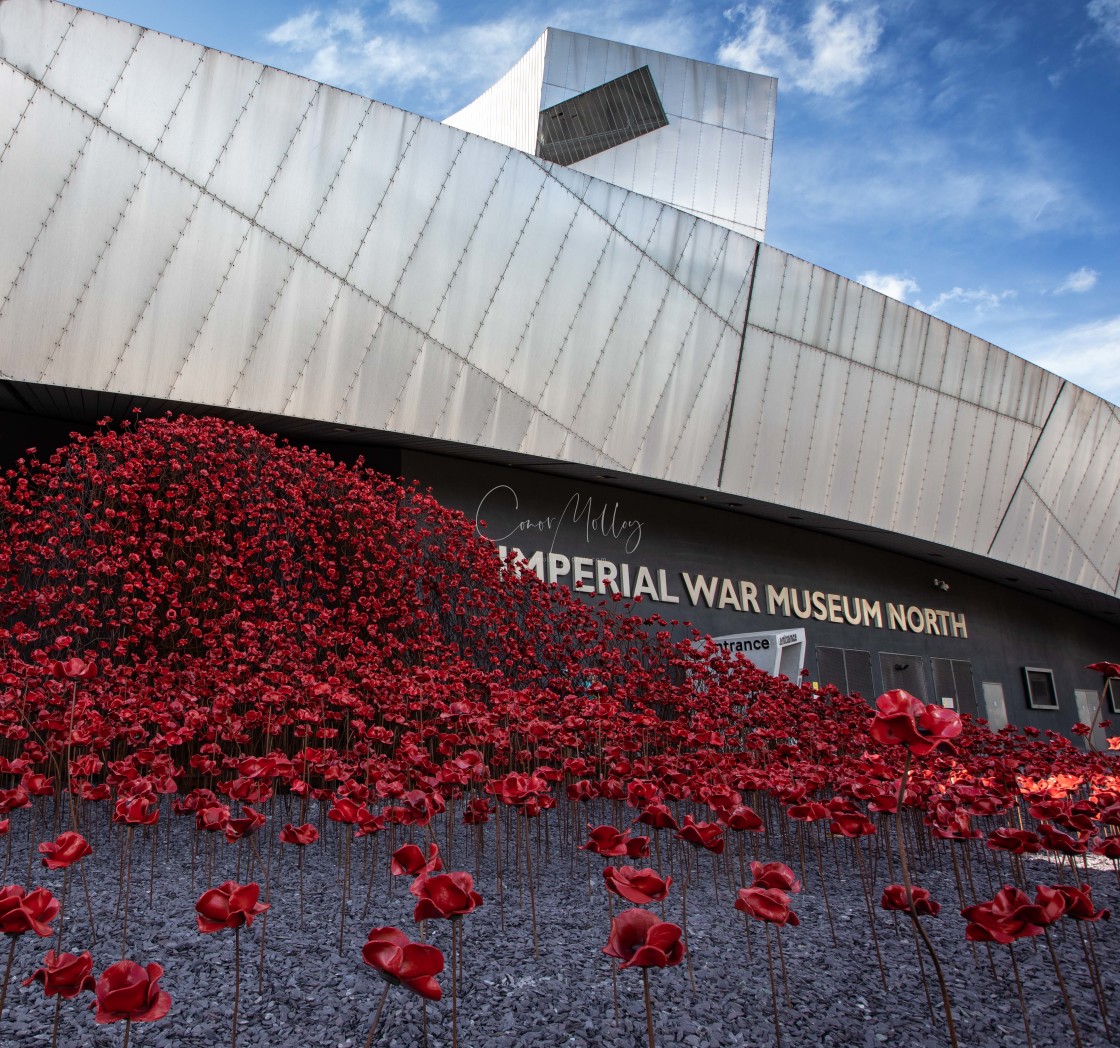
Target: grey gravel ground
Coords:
[[311, 995]]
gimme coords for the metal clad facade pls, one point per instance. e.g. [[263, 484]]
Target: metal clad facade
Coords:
[[187, 226]]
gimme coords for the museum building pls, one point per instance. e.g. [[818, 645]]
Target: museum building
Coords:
[[558, 310]]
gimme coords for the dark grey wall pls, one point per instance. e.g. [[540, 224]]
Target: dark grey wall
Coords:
[[1007, 629]]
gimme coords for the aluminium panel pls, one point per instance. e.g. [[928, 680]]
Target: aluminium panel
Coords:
[[820, 308], [146, 231], [159, 345], [506, 422], [15, 94], [408, 208], [842, 475], [701, 426], [312, 165], [259, 147], [288, 332], [156, 77], [35, 165], [797, 433], [368, 169], [670, 73], [30, 33], [825, 423], [347, 322], [911, 344], [449, 235], [958, 430], [974, 376], [845, 313], [796, 279], [637, 399], [207, 115], [955, 361], [90, 60], [932, 459], [389, 354], [535, 248], [907, 517], [766, 295], [68, 251], [680, 428], [896, 315], [508, 235], [746, 186], [867, 449], [642, 318], [593, 329], [709, 173], [685, 190], [227, 338], [934, 353], [569, 282], [869, 324], [743, 446], [894, 449], [776, 377], [973, 526], [466, 408], [419, 406]]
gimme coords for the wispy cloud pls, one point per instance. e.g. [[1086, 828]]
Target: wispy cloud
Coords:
[[980, 299], [440, 64], [1078, 282], [1106, 14], [894, 285], [1088, 354], [829, 53]]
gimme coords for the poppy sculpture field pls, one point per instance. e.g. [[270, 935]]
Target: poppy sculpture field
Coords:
[[287, 758]]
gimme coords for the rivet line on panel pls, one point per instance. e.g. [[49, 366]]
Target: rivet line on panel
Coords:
[[807, 465], [1062, 527], [291, 264], [680, 430], [953, 432], [788, 428], [447, 291], [46, 220], [642, 257], [873, 515], [233, 130], [408, 262], [868, 514], [978, 489], [850, 361], [625, 391], [225, 205], [1026, 465], [340, 282], [37, 81], [1102, 473], [470, 240], [733, 396], [618, 232], [674, 370], [756, 444]]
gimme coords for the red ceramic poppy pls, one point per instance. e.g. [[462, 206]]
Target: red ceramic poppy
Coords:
[[230, 905], [903, 719], [606, 841], [1106, 669], [444, 895], [639, 940], [766, 904], [409, 859], [299, 835], [64, 974], [127, 991], [70, 847], [22, 911], [1079, 903], [774, 875], [403, 963], [894, 898], [705, 835], [1011, 915], [636, 886]]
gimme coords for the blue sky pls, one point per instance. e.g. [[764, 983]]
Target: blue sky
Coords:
[[963, 155]]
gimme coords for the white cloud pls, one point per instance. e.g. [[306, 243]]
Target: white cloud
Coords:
[[1106, 13], [1088, 354], [980, 299], [419, 12], [894, 285], [1078, 282], [830, 52], [433, 66]]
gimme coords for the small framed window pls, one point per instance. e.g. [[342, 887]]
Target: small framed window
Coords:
[[1114, 694], [1041, 693]]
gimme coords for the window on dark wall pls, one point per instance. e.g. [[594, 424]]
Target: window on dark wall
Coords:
[[1041, 693], [952, 679], [848, 668], [1114, 695], [907, 672]]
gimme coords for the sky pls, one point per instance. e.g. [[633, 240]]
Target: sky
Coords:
[[960, 155]]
